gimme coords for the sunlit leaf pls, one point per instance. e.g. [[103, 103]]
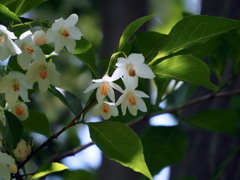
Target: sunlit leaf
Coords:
[[118, 142], [84, 52], [131, 29], [195, 29], [37, 122], [48, 169], [163, 146], [220, 120], [7, 14], [185, 68]]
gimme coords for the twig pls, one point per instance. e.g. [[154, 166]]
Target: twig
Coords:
[[172, 110], [54, 136]]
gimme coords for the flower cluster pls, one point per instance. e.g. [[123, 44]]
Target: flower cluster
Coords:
[[129, 70], [32, 60], [35, 67]]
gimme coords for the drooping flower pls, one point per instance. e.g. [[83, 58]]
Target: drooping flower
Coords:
[[20, 109], [105, 109], [105, 88], [14, 85], [132, 99], [22, 150], [132, 67], [64, 33], [29, 50], [39, 38], [7, 46], [44, 73], [7, 166]]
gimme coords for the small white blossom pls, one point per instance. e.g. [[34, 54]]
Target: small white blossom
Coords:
[[105, 109], [44, 73], [22, 150], [39, 38], [132, 67], [29, 50], [20, 109], [105, 88], [64, 33], [14, 85], [7, 166], [132, 99]]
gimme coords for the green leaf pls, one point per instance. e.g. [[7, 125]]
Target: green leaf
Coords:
[[22, 6], [195, 29], [185, 68], [163, 146], [13, 130], [37, 122], [13, 65], [79, 174], [148, 44], [131, 29], [219, 120], [67, 98], [6, 14], [119, 143], [48, 169], [84, 52]]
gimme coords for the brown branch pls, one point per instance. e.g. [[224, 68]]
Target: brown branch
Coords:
[[172, 110], [54, 136]]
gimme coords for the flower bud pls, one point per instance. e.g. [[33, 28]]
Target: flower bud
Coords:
[[22, 150], [13, 168]]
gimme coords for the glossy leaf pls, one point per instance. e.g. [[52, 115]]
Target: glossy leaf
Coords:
[[13, 130], [163, 146], [7, 14], [37, 122], [131, 29], [185, 68], [67, 98], [119, 143], [48, 169], [219, 120], [195, 29], [84, 52]]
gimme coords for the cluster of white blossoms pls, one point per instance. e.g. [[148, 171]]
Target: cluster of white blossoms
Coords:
[[35, 68], [129, 70], [32, 60]]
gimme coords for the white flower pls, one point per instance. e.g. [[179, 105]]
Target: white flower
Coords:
[[29, 50], [7, 46], [44, 73], [14, 85], [132, 99], [105, 109], [20, 109], [39, 38], [22, 150], [132, 67], [105, 88], [7, 166], [64, 33]]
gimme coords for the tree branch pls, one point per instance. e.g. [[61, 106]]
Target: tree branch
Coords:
[[54, 136], [172, 110]]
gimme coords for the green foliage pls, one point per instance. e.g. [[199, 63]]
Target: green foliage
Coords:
[[48, 169], [5, 13], [220, 120], [131, 29], [185, 68], [79, 174], [163, 146], [118, 142], [84, 52], [37, 122], [12, 132]]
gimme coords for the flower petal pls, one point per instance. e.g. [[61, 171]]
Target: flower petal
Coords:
[[4, 173], [133, 110], [59, 43], [43, 84], [119, 72], [140, 94], [144, 71], [38, 54], [111, 94], [70, 44], [6, 159], [58, 24], [24, 60], [75, 33], [71, 20], [4, 53], [136, 58], [91, 87], [141, 104]]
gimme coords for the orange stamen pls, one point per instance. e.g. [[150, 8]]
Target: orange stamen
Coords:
[[132, 100], [105, 108], [19, 110], [29, 49], [16, 86], [2, 40], [65, 33], [131, 70], [43, 73], [104, 89]]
